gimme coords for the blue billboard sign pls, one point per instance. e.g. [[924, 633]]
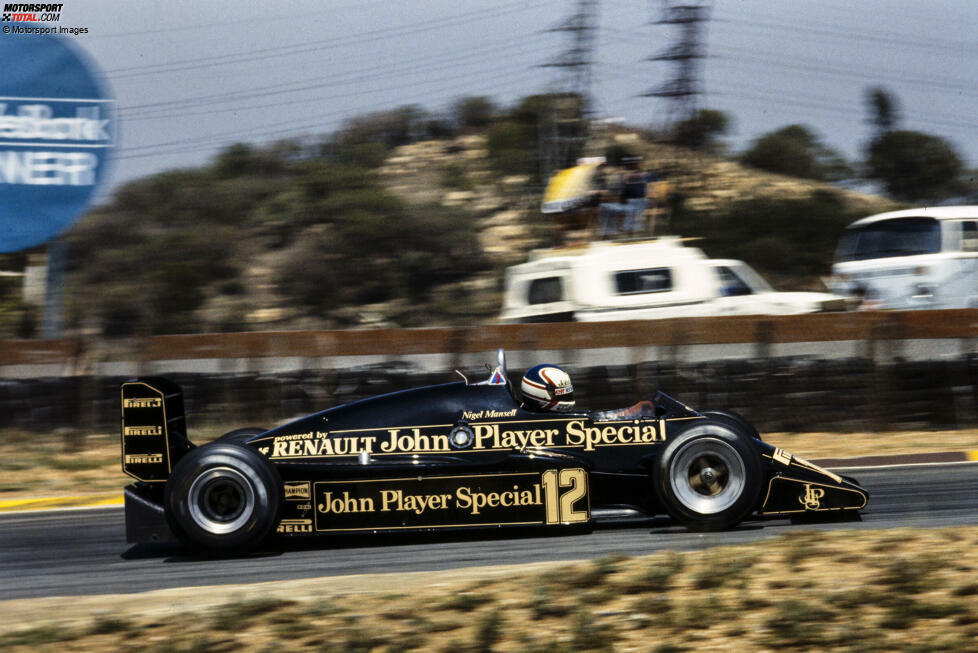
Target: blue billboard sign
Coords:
[[57, 131]]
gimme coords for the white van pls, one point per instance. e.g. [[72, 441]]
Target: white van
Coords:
[[628, 280], [917, 258]]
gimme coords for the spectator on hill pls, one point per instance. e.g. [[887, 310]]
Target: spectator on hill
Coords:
[[634, 183], [611, 213]]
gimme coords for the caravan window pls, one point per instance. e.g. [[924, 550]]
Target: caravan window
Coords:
[[887, 238], [545, 291], [633, 282], [969, 236]]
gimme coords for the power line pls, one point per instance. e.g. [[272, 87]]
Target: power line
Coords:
[[322, 44], [291, 126], [294, 130], [735, 57], [808, 102], [374, 73], [867, 76], [885, 38], [264, 20], [409, 85]]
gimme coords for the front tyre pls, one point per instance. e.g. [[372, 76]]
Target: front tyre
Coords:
[[709, 477], [738, 421], [223, 498]]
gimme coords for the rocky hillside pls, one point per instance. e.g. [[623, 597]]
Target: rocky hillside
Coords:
[[458, 174], [286, 237], [508, 207]]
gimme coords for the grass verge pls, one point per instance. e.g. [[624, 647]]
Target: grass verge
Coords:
[[897, 590], [50, 466]]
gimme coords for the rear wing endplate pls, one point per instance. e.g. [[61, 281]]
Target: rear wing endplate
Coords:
[[154, 431]]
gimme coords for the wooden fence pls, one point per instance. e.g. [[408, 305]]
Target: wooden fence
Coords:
[[844, 371]]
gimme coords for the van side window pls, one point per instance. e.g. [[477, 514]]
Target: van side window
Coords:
[[633, 282], [545, 290], [969, 236], [730, 284]]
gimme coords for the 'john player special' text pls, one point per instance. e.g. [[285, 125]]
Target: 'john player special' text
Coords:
[[575, 433]]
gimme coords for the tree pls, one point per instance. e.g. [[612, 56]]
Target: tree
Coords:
[[787, 240], [913, 165], [883, 107], [796, 151], [702, 130], [513, 142], [473, 112], [392, 128]]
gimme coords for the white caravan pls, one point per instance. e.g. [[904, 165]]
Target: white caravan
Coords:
[[918, 258], [626, 280]]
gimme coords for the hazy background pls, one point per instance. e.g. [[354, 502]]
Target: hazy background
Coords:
[[191, 77]]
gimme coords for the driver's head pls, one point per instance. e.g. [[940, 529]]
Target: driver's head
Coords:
[[547, 387]]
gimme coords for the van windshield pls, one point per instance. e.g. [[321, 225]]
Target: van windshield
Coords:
[[897, 237]]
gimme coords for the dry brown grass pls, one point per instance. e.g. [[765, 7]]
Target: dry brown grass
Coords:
[[33, 465], [47, 466], [899, 590], [851, 445]]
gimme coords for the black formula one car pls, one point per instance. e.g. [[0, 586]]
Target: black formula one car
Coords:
[[459, 456]]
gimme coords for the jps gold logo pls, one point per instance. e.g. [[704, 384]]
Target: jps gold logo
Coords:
[[812, 499]]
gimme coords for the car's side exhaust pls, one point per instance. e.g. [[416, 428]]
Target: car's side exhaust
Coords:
[[154, 431]]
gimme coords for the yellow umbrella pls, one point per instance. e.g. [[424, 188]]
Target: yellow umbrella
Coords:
[[570, 188]]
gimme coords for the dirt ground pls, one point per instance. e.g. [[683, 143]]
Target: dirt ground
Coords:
[[33, 466], [898, 590]]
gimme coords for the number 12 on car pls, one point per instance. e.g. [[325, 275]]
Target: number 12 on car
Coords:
[[562, 489]]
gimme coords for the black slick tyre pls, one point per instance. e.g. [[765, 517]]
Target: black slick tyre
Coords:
[[709, 477], [223, 498], [240, 436], [738, 421]]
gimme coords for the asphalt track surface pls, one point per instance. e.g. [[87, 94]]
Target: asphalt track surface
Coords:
[[77, 552]]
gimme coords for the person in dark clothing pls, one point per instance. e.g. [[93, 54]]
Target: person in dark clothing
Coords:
[[634, 183]]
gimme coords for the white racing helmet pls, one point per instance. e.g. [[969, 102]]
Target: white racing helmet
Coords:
[[547, 387]]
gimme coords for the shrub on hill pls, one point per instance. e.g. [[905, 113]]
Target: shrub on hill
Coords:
[[149, 261], [788, 240]]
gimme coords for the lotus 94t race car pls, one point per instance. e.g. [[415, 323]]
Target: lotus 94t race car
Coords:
[[458, 456]]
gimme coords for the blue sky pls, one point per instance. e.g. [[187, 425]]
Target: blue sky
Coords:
[[192, 77]]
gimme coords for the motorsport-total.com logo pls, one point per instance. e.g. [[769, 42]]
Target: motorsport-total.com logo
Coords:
[[35, 18], [31, 13]]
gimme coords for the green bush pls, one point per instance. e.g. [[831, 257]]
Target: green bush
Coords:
[[913, 165], [513, 149], [796, 151], [793, 239]]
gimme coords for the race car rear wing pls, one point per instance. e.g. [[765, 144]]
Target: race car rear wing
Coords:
[[154, 431]]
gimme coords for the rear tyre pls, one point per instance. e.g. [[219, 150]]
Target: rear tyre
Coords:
[[223, 498], [709, 477], [240, 436]]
